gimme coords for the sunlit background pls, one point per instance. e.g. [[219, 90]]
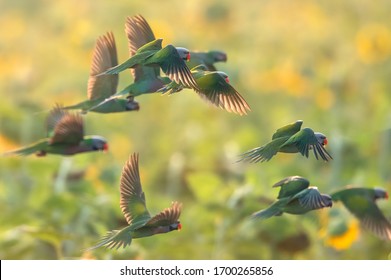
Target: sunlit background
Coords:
[[327, 63]]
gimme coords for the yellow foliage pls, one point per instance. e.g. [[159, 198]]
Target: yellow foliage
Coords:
[[325, 99], [7, 144], [345, 240], [373, 43], [285, 78]]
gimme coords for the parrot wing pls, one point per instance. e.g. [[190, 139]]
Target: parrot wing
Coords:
[[214, 88], [166, 217], [139, 33], [174, 66], [291, 186], [288, 130], [104, 57], [306, 140], [132, 201]]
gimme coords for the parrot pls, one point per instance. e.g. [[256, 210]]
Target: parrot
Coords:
[[361, 202], [134, 209], [170, 59], [215, 88], [297, 197], [65, 136], [290, 139], [206, 58], [102, 87], [147, 79]]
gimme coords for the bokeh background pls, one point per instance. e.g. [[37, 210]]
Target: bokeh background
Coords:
[[325, 62]]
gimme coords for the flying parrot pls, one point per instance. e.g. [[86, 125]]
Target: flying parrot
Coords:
[[170, 59], [361, 202], [102, 87], [214, 87], [133, 206], [147, 79], [206, 58], [290, 139], [296, 197], [65, 136]]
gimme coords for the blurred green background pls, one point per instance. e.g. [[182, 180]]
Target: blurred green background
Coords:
[[325, 62]]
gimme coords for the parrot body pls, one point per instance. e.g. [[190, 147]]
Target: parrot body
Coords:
[[214, 87], [361, 202], [133, 206], [206, 58], [102, 87], [295, 197], [290, 139], [65, 137]]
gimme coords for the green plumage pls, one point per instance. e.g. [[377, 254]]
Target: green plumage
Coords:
[[290, 139], [295, 197], [133, 206], [361, 202]]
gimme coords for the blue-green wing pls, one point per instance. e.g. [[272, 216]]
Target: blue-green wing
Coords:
[[291, 186], [288, 130], [312, 199], [214, 88], [174, 66], [305, 140]]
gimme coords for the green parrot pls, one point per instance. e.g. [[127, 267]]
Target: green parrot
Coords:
[[206, 58], [290, 139], [214, 87], [361, 202], [65, 137], [101, 87], [295, 197], [133, 206], [170, 59], [146, 79]]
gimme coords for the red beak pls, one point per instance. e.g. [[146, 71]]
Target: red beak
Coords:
[[386, 196], [188, 57], [325, 141], [227, 80], [179, 227], [105, 147]]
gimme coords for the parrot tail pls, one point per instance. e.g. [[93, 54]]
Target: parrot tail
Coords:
[[272, 210], [114, 240]]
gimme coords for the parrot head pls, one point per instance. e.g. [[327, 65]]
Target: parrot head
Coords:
[[380, 193], [98, 143], [132, 105], [218, 56], [224, 75], [321, 138], [183, 53], [175, 226]]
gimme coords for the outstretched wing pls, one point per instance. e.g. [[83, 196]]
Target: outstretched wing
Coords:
[[132, 201], [288, 130], [291, 186], [140, 33], [306, 140], [104, 57], [174, 66], [166, 217], [214, 88], [369, 214], [312, 199], [68, 127], [55, 115]]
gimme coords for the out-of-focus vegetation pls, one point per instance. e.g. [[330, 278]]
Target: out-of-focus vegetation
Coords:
[[327, 63]]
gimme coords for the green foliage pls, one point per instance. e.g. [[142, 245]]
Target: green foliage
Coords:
[[327, 63]]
